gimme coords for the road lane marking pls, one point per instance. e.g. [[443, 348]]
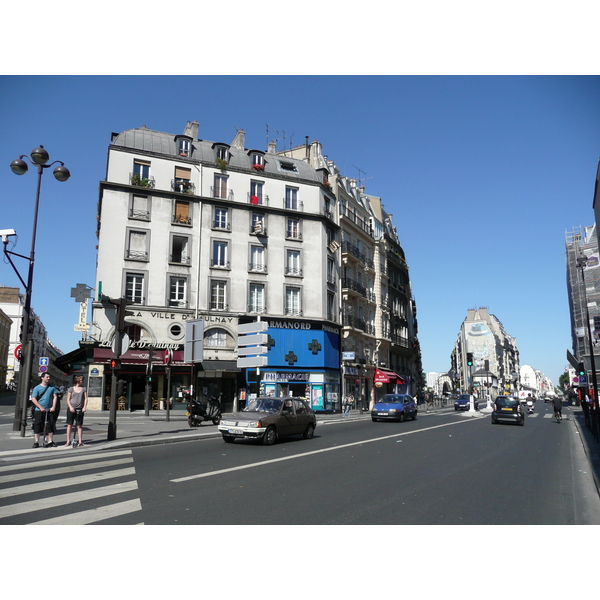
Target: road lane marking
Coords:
[[95, 514], [69, 456], [58, 483], [313, 452], [63, 470], [64, 499]]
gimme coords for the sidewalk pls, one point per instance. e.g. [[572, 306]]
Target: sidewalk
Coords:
[[133, 429]]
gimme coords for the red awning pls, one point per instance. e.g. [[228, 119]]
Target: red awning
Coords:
[[137, 356], [385, 376]]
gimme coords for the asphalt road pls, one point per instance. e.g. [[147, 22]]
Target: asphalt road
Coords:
[[442, 469]]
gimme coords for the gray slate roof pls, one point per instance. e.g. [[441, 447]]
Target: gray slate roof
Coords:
[[158, 142]]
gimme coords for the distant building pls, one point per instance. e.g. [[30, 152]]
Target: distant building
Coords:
[[5, 324], [495, 356]]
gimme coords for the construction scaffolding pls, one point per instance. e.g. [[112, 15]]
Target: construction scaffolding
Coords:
[[583, 265]]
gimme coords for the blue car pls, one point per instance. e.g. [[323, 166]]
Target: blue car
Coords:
[[463, 402], [394, 407]]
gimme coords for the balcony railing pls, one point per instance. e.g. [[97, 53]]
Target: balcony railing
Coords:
[[293, 312], [350, 284], [180, 260], [293, 271], [355, 322], [253, 308], [141, 181], [136, 213], [181, 220], [221, 225], [219, 264], [183, 186], [221, 193], [257, 267], [260, 199], [293, 235]]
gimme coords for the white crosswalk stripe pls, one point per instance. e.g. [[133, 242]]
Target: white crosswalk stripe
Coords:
[[30, 485]]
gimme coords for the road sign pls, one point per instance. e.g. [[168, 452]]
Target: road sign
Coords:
[[168, 357], [252, 350], [17, 351], [583, 380], [252, 361], [43, 361], [572, 360], [43, 368], [193, 349], [253, 340], [256, 327]]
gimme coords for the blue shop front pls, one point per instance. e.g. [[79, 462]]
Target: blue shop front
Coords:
[[303, 360]]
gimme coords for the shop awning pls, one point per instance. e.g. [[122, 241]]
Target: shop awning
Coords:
[[385, 376], [220, 365], [138, 356]]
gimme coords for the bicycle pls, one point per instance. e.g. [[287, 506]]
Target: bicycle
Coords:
[[558, 416]]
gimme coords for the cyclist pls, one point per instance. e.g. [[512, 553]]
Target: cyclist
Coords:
[[557, 403]]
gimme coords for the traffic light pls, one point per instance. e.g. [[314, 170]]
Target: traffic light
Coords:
[[469, 359], [121, 306], [580, 369], [115, 364], [121, 387]]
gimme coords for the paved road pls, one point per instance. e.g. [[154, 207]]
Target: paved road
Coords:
[[444, 468]]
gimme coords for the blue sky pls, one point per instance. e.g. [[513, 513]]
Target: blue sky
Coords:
[[483, 176]]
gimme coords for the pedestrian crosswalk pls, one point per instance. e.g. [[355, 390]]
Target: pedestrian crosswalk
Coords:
[[71, 489]]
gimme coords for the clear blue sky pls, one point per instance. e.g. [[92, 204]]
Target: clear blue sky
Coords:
[[483, 176]]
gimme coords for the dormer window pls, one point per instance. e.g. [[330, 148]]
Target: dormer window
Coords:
[[184, 147], [286, 165], [222, 153], [258, 162]]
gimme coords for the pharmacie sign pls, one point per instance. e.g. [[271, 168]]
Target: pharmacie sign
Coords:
[[285, 377]]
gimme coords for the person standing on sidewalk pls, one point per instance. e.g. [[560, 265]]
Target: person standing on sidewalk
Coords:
[[348, 405], [44, 400], [77, 400]]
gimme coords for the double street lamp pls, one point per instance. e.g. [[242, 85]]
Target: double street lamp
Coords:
[[39, 157]]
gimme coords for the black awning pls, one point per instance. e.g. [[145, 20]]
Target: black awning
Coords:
[[219, 365]]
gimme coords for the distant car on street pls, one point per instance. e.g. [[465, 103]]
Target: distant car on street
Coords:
[[508, 408], [394, 407], [463, 402], [268, 419]]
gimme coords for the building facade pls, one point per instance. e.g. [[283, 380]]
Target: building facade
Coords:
[[213, 232], [495, 368]]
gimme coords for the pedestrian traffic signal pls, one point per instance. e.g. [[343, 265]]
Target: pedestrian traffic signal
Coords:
[[580, 369], [115, 364], [469, 359]]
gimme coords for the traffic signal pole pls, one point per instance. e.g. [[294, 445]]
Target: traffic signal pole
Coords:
[[112, 416]]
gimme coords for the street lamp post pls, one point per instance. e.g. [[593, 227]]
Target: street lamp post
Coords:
[[39, 157], [581, 263]]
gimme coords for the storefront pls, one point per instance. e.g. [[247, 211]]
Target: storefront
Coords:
[[387, 382], [303, 360]]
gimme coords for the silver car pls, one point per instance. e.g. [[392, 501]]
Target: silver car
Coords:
[[267, 419]]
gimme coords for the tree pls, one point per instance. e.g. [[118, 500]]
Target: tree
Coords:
[[563, 381]]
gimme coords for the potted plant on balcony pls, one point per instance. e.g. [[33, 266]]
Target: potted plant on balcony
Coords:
[[259, 168], [222, 164]]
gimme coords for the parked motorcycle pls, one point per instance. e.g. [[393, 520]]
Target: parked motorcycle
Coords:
[[203, 409]]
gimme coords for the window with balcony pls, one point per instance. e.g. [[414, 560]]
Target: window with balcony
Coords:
[[221, 219], [256, 298], [139, 208], [220, 187], [292, 301], [257, 259], [330, 270], [258, 162], [182, 212], [135, 287], [256, 192], [291, 198], [141, 174], [177, 291], [137, 245], [218, 295], [220, 254], [182, 181], [258, 224], [292, 263], [180, 250], [293, 229]]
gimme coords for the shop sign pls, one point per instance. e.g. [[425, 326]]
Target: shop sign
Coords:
[[284, 377]]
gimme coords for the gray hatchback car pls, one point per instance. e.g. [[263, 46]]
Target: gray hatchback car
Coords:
[[267, 419], [508, 408]]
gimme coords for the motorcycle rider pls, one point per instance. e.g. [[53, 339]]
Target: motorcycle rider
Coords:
[[530, 402]]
